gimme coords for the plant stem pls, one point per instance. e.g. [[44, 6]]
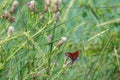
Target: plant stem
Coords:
[[49, 55]]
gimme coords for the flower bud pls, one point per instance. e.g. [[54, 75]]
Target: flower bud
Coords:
[[41, 16], [5, 15], [63, 39], [55, 8], [56, 2], [12, 9], [57, 16], [45, 8], [36, 10], [47, 2], [11, 19], [14, 5], [49, 38], [31, 5], [10, 30]]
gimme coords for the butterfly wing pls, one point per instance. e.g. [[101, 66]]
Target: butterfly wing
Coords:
[[76, 54], [70, 55]]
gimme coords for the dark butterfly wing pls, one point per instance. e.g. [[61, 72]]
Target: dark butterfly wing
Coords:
[[70, 55], [76, 54]]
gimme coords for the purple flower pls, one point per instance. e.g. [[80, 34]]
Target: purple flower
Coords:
[[31, 5], [57, 16], [49, 38]]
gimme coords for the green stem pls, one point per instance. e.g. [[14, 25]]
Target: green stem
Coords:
[[50, 51], [49, 55]]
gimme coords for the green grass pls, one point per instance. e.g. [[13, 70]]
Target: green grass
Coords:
[[91, 26]]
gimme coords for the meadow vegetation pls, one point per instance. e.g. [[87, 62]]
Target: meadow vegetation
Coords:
[[36, 35]]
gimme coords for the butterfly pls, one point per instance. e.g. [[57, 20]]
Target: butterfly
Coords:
[[73, 56]]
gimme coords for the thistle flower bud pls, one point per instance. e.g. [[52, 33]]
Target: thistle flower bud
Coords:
[[57, 16], [14, 5], [49, 38], [5, 15], [12, 9], [45, 8], [11, 19], [55, 8], [36, 10], [31, 5], [41, 16], [63, 39], [10, 30], [56, 2], [47, 2]]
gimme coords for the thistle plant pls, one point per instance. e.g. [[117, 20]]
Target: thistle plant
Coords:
[[43, 39]]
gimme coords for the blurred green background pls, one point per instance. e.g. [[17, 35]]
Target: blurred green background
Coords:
[[92, 26]]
